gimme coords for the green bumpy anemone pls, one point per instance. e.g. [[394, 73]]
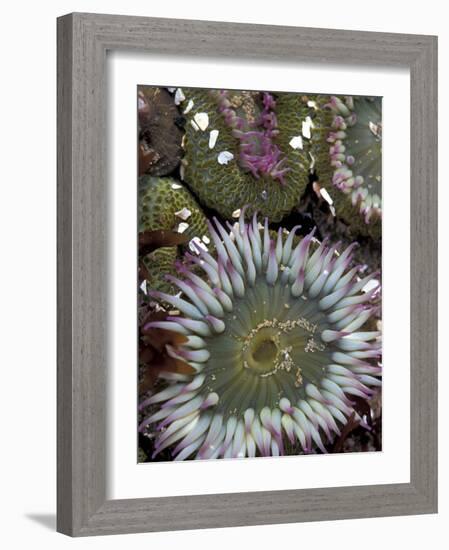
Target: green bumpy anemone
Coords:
[[165, 204], [157, 264], [346, 145], [245, 148]]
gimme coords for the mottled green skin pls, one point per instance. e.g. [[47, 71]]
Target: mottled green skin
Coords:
[[160, 199], [141, 457], [226, 188], [322, 124], [158, 264], [322, 118]]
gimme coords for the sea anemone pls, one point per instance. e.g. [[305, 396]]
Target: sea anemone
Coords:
[[171, 220], [277, 334], [166, 204], [347, 147], [356, 151], [159, 134], [245, 148], [258, 152], [155, 265]]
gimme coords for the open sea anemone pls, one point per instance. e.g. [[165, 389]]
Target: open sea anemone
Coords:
[[356, 151], [277, 334], [245, 148], [347, 145]]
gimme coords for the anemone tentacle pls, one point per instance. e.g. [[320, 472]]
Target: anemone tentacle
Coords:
[[280, 342]]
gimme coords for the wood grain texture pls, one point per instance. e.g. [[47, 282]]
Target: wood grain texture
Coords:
[[64, 275], [83, 40], [424, 276]]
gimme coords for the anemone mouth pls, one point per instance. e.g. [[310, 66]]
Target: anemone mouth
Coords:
[[274, 338], [270, 347], [255, 128]]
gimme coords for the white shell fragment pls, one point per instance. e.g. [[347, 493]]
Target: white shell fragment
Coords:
[[236, 213], [184, 214], [213, 135], [176, 186], [205, 239], [306, 126], [202, 120], [140, 103], [326, 196], [296, 142], [312, 104], [312, 161], [143, 286], [182, 227], [375, 129], [179, 96], [189, 106], [224, 157]]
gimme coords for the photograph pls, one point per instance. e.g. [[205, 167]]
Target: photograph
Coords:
[[259, 273]]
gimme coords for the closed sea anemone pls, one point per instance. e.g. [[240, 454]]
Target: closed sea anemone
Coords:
[[258, 152], [168, 216], [278, 334], [245, 148], [166, 204]]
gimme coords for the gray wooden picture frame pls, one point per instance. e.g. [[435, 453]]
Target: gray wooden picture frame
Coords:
[[83, 41]]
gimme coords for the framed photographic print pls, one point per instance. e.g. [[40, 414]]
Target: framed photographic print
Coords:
[[266, 356], [247, 274]]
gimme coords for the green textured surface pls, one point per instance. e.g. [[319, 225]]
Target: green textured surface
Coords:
[[159, 201], [227, 188], [319, 147], [158, 264]]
